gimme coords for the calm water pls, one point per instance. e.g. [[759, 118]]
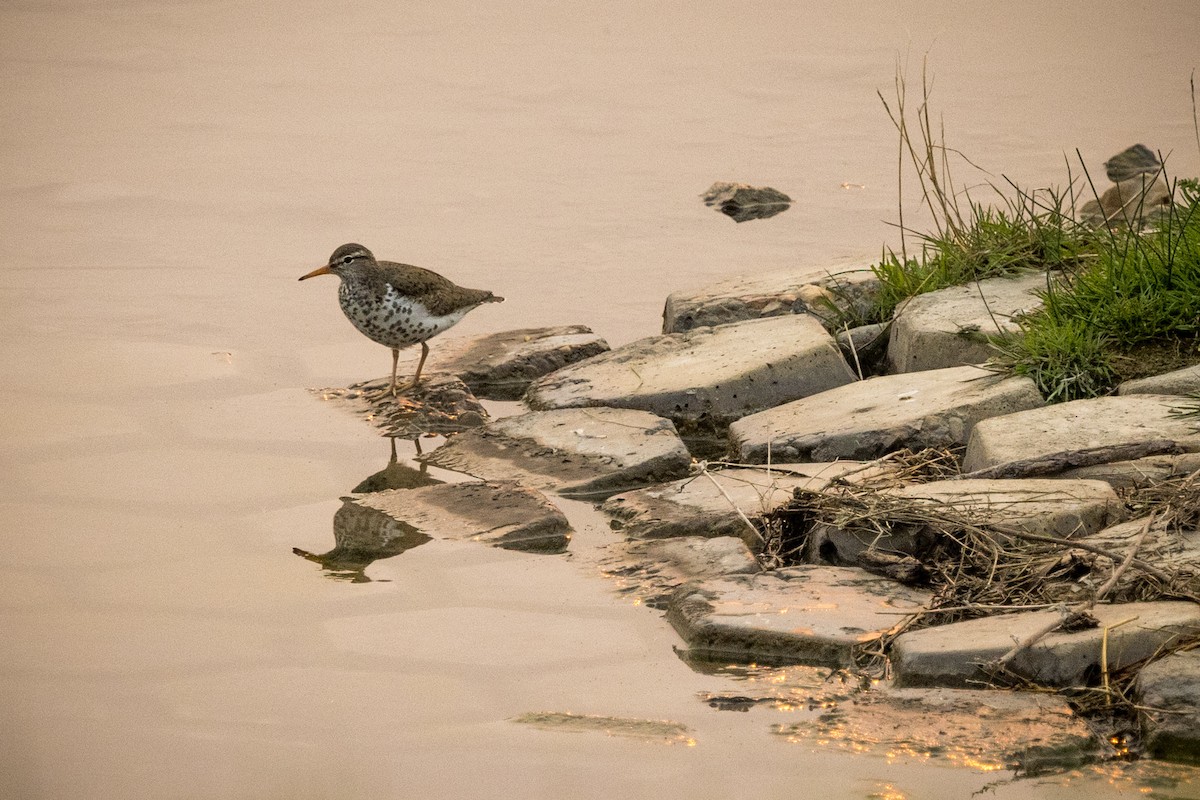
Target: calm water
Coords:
[[168, 169]]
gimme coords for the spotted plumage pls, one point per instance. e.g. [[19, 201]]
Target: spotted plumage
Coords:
[[398, 305]]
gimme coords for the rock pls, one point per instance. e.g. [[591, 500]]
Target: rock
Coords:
[[1173, 552], [500, 513], [806, 614], [1023, 731], [1078, 425], [953, 655], [579, 452], [865, 347], [500, 366], [696, 507], [704, 379], [652, 570], [441, 404], [1180, 381], [772, 294], [1139, 472], [1168, 696], [866, 419], [949, 327], [1049, 507], [742, 202], [362, 536]]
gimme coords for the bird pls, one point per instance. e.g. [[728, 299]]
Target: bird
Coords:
[[398, 305]]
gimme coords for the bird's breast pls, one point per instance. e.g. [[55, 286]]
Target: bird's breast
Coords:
[[392, 318]]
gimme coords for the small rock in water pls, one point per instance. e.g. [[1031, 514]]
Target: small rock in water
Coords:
[[742, 202]]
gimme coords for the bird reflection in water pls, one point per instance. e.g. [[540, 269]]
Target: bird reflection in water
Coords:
[[363, 535]]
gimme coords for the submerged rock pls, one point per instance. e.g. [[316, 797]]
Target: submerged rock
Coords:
[[441, 404], [955, 655], [950, 327], [866, 419], [706, 378], [500, 513], [805, 615], [743, 203], [652, 570], [578, 452], [821, 291]]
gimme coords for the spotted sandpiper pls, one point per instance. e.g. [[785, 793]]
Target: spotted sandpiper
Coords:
[[398, 305]]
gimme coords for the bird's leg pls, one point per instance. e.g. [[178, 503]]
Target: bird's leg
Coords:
[[416, 375], [395, 359]]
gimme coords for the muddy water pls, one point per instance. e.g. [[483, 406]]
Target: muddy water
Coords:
[[168, 169]]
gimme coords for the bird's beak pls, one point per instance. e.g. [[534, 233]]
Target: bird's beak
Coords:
[[318, 271]]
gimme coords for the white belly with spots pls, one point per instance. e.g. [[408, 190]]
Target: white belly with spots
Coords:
[[397, 321]]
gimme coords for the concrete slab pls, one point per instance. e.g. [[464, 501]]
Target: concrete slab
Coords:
[[705, 378], [696, 506], [866, 419], [771, 294], [1077, 425], [588, 453], [949, 327], [1048, 506], [501, 513], [806, 614], [441, 404], [953, 655], [500, 366], [1168, 694], [1180, 381]]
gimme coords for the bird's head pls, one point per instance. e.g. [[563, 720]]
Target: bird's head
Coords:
[[345, 259]]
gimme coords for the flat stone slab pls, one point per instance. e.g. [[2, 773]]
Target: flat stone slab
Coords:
[[1180, 381], [953, 655], [991, 730], [949, 327], [1048, 506], [500, 513], [771, 294], [804, 615], [705, 378], [578, 452], [651, 570], [867, 419], [1168, 694], [1079, 425], [1170, 550], [500, 366], [698, 506]]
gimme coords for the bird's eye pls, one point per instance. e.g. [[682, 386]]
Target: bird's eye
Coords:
[[347, 259]]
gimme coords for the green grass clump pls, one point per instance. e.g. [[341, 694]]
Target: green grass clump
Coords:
[[1134, 309]]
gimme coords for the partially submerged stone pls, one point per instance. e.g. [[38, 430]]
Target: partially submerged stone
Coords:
[[949, 327], [652, 570], [1180, 381], [742, 202], [705, 378], [1028, 732], [579, 452], [440, 404], [704, 506], [500, 513], [1079, 425], [647, 730], [805, 614], [1168, 696], [1049, 507], [500, 366], [818, 290], [866, 419], [955, 655]]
